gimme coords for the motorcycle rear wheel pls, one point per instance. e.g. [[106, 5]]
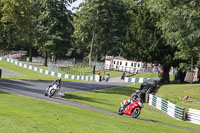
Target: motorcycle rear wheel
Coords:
[[135, 113], [120, 111], [46, 94]]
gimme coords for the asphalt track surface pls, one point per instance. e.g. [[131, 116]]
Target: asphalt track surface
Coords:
[[36, 89]]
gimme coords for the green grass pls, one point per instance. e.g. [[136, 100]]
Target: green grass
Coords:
[[28, 74], [111, 98], [20, 114], [176, 93], [150, 75], [146, 75], [72, 70]]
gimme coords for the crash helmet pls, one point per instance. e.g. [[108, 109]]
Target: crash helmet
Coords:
[[137, 91], [59, 79]]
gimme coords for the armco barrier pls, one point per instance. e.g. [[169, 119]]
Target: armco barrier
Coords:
[[135, 80], [167, 107], [194, 116], [67, 76]]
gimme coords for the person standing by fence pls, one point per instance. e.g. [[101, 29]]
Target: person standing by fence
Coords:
[[99, 73]]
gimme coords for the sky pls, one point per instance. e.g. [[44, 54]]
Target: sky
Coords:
[[75, 4]]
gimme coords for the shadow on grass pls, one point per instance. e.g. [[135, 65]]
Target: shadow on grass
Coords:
[[89, 99]]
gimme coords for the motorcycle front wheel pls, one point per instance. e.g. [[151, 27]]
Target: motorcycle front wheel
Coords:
[[52, 92], [135, 113], [120, 111]]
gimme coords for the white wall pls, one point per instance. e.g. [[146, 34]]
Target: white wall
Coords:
[[126, 65], [107, 64]]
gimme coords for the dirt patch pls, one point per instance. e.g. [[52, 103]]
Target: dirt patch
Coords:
[[187, 98]]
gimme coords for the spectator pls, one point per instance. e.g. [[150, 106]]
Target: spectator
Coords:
[[123, 76], [99, 73]]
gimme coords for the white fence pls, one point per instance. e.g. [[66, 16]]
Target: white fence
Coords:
[[167, 107], [52, 73], [194, 116]]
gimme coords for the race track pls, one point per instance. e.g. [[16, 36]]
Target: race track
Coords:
[[37, 88]]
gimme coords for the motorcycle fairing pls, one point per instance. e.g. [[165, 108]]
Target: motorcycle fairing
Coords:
[[130, 107]]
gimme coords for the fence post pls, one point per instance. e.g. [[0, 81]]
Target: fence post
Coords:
[[147, 98], [0, 73], [185, 115], [147, 94]]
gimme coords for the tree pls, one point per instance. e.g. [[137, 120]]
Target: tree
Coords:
[[54, 28], [16, 17], [180, 24], [145, 42], [2, 35], [100, 28]]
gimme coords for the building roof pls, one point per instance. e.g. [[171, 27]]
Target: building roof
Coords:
[[121, 58]]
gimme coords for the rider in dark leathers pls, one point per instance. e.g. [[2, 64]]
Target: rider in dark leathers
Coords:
[[133, 98], [56, 81]]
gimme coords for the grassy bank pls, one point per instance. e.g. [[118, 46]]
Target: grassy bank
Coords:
[[150, 75], [28, 74], [23, 114], [177, 93], [145, 75], [110, 99]]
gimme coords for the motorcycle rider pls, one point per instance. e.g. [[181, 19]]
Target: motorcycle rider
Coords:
[[54, 82], [133, 98], [108, 75]]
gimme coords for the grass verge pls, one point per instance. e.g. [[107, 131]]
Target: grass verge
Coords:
[[150, 75], [23, 114], [177, 93], [110, 99], [28, 74]]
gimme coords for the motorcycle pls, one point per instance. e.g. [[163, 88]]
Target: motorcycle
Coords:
[[107, 78], [52, 89], [133, 109]]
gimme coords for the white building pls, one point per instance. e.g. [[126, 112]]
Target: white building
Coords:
[[124, 65]]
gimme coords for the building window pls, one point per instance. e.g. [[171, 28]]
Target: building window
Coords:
[[117, 62], [120, 63], [138, 64], [114, 62], [131, 64], [135, 64], [126, 63]]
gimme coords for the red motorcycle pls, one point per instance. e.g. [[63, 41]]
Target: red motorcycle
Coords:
[[133, 109]]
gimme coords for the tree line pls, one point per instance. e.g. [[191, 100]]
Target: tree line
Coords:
[[163, 32]]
